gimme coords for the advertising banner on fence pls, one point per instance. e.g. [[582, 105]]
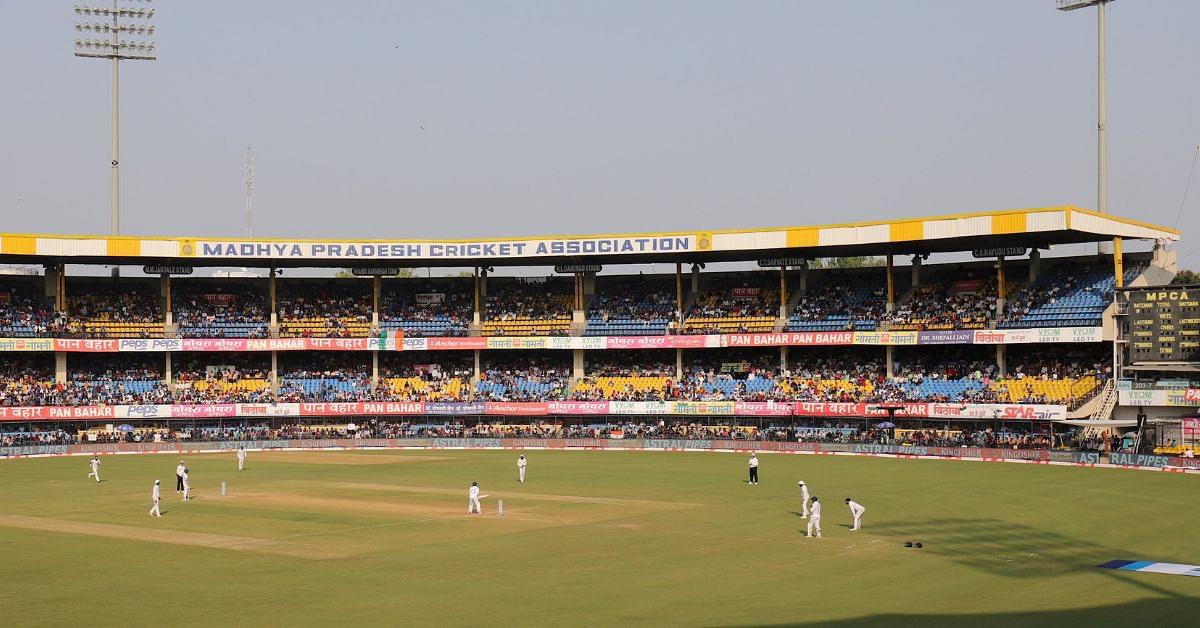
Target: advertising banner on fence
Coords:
[[1178, 397], [998, 411], [395, 341], [1004, 412], [894, 338], [1041, 334]]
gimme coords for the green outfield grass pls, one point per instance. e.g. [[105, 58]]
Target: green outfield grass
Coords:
[[593, 538]]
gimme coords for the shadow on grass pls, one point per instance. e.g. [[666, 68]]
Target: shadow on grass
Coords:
[[1178, 611], [1001, 547]]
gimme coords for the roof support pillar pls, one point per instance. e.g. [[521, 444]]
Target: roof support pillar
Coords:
[[891, 293], [783, 293], [679, 292], [376, 288], [1118, 262], [478, 296], [1001, 288]]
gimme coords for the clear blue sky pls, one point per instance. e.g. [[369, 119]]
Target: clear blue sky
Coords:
[[551, 117]]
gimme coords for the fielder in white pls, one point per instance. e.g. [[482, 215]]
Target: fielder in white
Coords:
[[95, 462], [814, 520], [187, 485], [521, 462], [241, 455], [154, 497], [803, 500], [856, 510], [473, 496]]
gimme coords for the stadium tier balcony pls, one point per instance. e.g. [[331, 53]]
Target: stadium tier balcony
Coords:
[[231, 378], [523, 376], [1069, 295], [443, 376], [842, 302], [745, 303], [528, 308], [219, 310], [25, 311], [427, 309], [111, 379], [103, 308], [627, 376], [325, 310], [324, 376], [959, 301], [632, 306]]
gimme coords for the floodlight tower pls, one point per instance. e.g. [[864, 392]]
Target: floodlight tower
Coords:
[[122, 36], [249, 181], [1101, 98]]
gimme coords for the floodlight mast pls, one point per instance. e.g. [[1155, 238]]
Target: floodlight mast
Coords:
[[131, 22], [249, 181], [1101, 97]]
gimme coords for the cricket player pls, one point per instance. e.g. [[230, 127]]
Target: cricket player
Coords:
[[753, 468], [856, 510], [154, 497], [241, 455], [187, 486], [814, 521], [521, 462], [473, 500], [95, 462], [179, 469], [803, 500]]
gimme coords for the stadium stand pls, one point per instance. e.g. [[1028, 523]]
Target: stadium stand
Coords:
[[527, 307], [444, 376], [734, 303], [329, 309], [845, 301], [224, 309], [523, 376], [223, 378], [25, 311], [426, 308], [627, 376], [1068, 295], [954, 300], [128, 378], [324, 376], [104, 308], [632, 306]]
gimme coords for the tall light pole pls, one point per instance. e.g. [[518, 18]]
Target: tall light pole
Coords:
[[122, 35], [1101, 100], [249, 181]]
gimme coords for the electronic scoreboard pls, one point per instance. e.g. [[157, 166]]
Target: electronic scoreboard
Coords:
[[1162, 324]]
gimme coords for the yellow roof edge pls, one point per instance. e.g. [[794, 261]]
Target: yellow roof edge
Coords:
[[865, 223], [1128, 221]]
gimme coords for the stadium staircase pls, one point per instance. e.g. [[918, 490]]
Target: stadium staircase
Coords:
[[1100, 407]]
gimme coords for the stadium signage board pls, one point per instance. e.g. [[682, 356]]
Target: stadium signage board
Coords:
[[160, 269], [382, 271], [782, 262], [499, 249], [577, 269], [1011, 251], [1164, 324], [1022, 412], [395, 341], [1078, 458]]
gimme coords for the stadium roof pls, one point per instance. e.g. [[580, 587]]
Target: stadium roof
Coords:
[[1034, 228]]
